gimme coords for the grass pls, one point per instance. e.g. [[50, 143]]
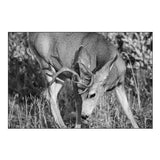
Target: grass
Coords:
[[34, 112], [30, 113]]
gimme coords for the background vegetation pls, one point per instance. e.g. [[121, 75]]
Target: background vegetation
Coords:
[[27, 108]]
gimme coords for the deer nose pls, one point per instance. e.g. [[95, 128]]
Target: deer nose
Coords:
[[84, 117]]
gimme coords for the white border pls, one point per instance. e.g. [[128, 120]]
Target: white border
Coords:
[[81, 15]]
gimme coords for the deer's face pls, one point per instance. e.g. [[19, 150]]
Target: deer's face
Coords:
[[95, 92], [98, 88]]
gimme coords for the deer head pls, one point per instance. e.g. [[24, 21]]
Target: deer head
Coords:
[[98, 88]]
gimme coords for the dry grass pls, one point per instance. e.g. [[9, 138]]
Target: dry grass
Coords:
[[30, 113], [35, 113]]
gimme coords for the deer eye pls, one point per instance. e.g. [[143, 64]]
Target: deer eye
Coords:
[[92, 95]]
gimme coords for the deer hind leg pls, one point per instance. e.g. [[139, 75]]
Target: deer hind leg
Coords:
[[124, 102]]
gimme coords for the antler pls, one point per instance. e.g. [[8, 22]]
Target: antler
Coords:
[[79, 80], [90, 73], [64, 69]]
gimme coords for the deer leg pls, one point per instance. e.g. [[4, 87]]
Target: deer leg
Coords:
[[78, 105], [124, 102], [53, 91], [78, 113]]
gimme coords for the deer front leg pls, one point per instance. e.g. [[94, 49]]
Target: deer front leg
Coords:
[[54, 89], [124, 102], [78, 105], [52, 97]]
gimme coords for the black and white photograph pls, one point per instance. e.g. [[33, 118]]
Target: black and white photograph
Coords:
[[79, 80], [87, 80]]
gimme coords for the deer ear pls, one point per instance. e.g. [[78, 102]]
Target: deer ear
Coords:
[[108, 66], [79, 52], [111, 62], [104, 72]]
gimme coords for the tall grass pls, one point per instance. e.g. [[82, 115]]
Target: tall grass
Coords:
[[36, 113], [31, 112]]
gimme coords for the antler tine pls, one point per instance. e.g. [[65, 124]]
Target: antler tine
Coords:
[[64, 69], [52, 73], [91, 74], [80, 82], [83, 91]]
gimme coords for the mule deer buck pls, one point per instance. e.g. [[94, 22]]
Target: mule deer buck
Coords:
[[89, 59]]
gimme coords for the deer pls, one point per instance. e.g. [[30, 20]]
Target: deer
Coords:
[[89, 60]]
